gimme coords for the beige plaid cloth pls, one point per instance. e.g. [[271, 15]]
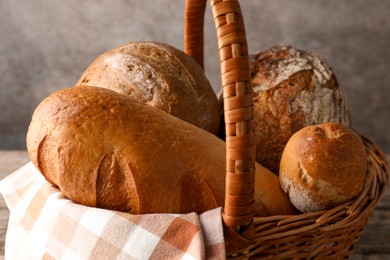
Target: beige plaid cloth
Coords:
[[44, 224]]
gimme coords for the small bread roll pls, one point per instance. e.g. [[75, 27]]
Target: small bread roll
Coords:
[[323, 166], [161, 76], [292, 89]]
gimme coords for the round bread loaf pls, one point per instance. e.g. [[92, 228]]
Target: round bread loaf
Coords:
[[292, 89], [323, 166], [158, 75]]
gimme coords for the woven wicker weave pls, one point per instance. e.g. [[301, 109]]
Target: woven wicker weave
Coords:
[[324, 234]]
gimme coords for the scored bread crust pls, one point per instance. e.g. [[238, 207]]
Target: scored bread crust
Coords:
[[105, 149], [161, 76], [323, 166], [292, 88]]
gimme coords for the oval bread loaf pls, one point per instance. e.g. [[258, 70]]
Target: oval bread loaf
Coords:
[[292, 89], [161, 76], [108, 150]]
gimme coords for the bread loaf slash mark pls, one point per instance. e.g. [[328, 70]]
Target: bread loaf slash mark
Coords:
[[305, 177], [48, 167], [323, 190], [196, 195], [328, 133], [115, 186]]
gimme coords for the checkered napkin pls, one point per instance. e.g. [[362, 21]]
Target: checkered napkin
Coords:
[[44, 224]]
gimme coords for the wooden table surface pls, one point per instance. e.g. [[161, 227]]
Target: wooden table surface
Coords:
[[373, 245]]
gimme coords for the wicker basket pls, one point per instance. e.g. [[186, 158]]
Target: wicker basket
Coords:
[[330, 233]]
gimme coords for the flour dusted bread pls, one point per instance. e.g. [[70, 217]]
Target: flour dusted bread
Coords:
[[158, 75], [108, 150], [323, 166], [292, 89]]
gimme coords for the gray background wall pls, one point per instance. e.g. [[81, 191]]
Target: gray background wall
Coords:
[[46, 45]]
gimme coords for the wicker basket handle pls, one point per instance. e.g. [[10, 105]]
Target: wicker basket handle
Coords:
[[238, 108]]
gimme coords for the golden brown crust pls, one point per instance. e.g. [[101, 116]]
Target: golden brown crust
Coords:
[[292, 89], [106, 149], [323, 166], [269, 200], [161, 76]]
